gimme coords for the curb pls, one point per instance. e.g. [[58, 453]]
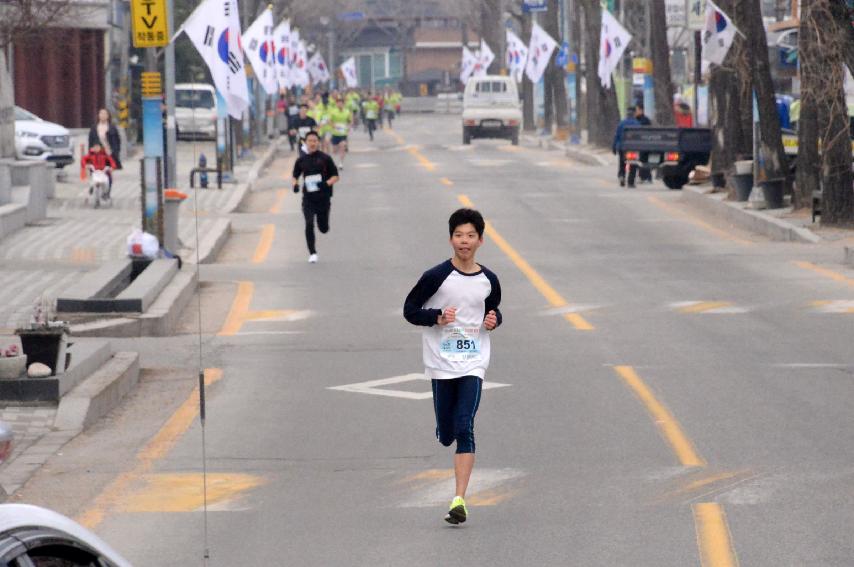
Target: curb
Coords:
[[213, 242], [158, 321], [754, 221], [571, 151], [89, 401], [96, 396]]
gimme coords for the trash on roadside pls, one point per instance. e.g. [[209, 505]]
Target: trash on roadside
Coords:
[[142, 245], [39, 370]]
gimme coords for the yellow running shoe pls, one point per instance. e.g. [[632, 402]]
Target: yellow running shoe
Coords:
[[458, 513]]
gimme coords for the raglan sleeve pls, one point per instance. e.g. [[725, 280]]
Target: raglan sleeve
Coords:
[[494, 298], [413, 306]]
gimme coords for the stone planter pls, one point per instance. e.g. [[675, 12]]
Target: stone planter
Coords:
[[13, 367], [46, 346]]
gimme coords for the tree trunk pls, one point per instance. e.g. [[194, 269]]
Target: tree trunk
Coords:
[[577, 49], [771, 153], [843, 17], [491, 31], [729, 141], [528, 122], [661, 64], [7, 109], [555, 75], [602, 113], [809, 164], [837, 195]]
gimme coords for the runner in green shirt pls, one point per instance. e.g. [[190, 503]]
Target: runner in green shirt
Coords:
[[372, 112], [340, 119]]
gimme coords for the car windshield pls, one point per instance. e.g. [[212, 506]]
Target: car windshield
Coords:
[[21, 114], [194, 99]]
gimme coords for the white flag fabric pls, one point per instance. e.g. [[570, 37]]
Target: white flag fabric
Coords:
[[468, 65], [214, 29], [539, 53], [718, 34], [299, 61], [484, 59], [348, 69], [516, 56], [613, 41], [317, 69], [259, 46], [282, 38]]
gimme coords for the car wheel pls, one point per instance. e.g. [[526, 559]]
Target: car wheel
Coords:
[[675, 181], [515, 139], [466, 137]]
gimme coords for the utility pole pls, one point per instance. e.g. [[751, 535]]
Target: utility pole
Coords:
[[171, 149]]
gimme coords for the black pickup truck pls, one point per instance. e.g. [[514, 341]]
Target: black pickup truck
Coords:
[[675, 151]]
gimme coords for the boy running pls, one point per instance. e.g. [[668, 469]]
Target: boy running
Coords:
[[457, 301]]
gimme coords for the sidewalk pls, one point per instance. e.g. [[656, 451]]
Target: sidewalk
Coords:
[[783, 224], [42, 260], [45, 258]]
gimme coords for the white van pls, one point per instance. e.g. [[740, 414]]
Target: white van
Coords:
[[491, 109], [195, 110]]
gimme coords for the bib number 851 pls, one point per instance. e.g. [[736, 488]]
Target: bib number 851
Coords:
[[465, 344]]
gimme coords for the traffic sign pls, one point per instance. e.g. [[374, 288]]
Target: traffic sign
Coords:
[[149, 27], [529, 6], [562, 57], [696, 14], [351, 16]]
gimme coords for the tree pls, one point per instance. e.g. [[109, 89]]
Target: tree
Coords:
[[528, 121], [555, 77], [826, 63], [771, 152], [602, 113], [661, 64], [491, 31], [731, 139], [20, 19], [809, 60]]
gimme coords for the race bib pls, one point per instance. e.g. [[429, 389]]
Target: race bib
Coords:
[[312, 183], [460, 344]]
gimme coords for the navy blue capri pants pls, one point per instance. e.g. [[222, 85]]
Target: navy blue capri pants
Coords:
[[455, 402]]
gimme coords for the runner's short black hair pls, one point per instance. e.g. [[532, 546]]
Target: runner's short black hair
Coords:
[[303, 105], [312, 133], [465, 216]]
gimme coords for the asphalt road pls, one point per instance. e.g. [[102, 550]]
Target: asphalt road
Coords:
[[673, 391]]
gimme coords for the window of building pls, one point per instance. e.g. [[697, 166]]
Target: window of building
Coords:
[[395, 64]]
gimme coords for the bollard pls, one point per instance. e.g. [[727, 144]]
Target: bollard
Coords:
[[203, 174], [173, 199]]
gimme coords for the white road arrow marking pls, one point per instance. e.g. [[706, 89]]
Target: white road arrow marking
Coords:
[[376, 387]]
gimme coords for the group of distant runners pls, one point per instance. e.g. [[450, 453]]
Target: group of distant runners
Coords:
[[457, 301], [319, 127]]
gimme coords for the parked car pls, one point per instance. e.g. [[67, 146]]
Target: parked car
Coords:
[[674, 151], [31, 536], [37, 139], [195, 110], [491, 109]]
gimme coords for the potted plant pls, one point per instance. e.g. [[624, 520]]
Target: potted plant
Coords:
[[45, 341]]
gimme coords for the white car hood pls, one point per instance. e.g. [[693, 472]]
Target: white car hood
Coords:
[[42, 128]]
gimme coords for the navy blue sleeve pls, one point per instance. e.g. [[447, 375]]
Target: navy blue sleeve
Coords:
[[427, 286], [494, 298]]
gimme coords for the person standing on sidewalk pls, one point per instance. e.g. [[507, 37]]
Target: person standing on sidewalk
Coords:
[[457, 303], [105, 134], [617, 148], [319, 175]]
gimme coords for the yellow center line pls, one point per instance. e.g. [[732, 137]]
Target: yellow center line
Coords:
[[704, 306], [280, 200], [697, 222], [268, 233], [425, 163], [713, 536], [551, 295], [835, 276], [667, 424], [239, 309], [445, 181], [156, 448]]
